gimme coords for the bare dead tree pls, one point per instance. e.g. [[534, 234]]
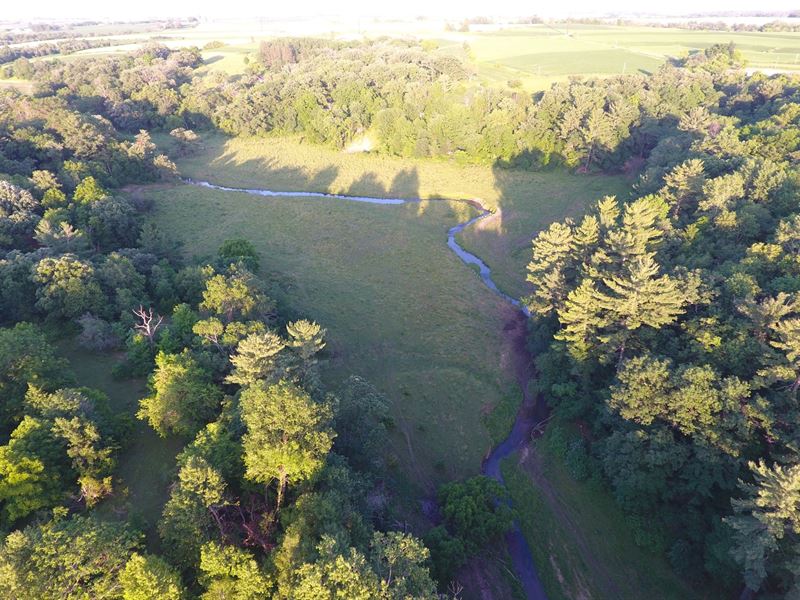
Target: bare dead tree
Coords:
[[455, 590], [150, 322]]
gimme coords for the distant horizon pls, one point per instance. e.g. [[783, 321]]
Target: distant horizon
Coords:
[[49, 10]]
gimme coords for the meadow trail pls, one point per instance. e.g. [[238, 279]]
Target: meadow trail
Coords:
[[530, 413]]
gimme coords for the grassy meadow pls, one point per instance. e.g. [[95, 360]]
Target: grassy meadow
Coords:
[[523, 202], [582, 543], [399, 307]]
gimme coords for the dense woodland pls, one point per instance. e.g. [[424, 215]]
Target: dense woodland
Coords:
[[666, 329]]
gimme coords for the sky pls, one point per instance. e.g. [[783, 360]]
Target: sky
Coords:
[[104, 9]]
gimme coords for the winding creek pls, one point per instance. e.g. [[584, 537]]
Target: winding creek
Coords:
[[529, 413]]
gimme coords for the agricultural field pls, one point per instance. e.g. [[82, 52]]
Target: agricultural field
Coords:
[[539, 55], [536, 56]]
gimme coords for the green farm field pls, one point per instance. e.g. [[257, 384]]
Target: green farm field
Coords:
[[538, 55], [534, 55]]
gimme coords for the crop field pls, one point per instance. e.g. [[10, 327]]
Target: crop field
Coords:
[[534, 55], [538, 55]]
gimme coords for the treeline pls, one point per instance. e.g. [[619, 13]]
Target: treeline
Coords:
[[668, 336], [281, 489], [412, 101], [40, 32], [11, 53], [772, 26]]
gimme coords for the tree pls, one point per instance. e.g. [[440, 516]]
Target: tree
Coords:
[[186, 141], [581, 319], [146, 577], [766, 518], [638, 297], [230, 572], [65, 559], [186, 523], [235, 296], [148, 323], [60, 237], [400, 561], [88, 191], [685, 183], [239, 250], [18, 215], [27, 484], [183, 397], [547, 271], [361, 417], [694, 399], [787, 340], [66, 287], [335, 574], [306, 339], [475, 510], [91, 459], [256, 359], [111, 223], [287, 436], [26, 357], [394, 570]]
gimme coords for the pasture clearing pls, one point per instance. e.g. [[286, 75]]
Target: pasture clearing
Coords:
[[524, 201], [400, 308]]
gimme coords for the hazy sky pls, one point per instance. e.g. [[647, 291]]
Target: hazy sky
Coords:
[[238, 8]]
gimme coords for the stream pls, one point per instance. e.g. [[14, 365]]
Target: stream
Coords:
[[529, 413]]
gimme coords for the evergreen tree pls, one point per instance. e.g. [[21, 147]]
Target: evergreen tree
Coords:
[[766, 518]]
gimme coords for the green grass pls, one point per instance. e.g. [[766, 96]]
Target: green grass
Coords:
[[600, 562], [147, 467], [524, 202], [539, 55], [400, 308]]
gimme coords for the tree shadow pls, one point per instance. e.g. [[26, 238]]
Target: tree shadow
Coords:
[[405, 184]]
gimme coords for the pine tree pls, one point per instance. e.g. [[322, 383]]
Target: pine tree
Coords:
[[788, 341], [639, 231], [580, 319], [638, 297], [552, 250], [769, 510], [684, 184], [256, 359]]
